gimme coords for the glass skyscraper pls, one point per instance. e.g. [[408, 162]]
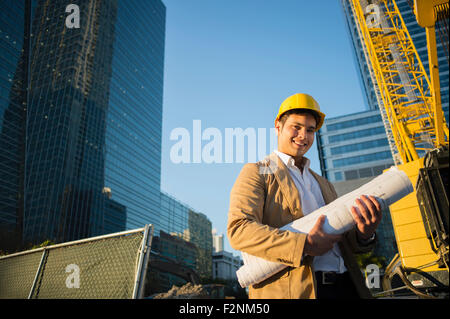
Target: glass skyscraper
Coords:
[[68, 98], [134, 119], [80, 117], [80, 127], [13, 85]]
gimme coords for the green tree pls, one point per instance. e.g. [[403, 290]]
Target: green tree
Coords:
[[45, 243], [370, 258]]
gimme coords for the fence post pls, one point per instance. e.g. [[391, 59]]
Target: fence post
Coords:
[[143, 261], [36, 277]]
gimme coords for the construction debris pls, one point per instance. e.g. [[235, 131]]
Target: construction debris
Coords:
[[188, 291]]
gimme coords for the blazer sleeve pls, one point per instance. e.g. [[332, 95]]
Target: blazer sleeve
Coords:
[[245, 229]]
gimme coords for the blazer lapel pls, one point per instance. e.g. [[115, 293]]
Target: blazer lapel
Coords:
[[287, 185]]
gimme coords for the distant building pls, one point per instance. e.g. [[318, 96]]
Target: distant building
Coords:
[[181, 248], [172, 262], [176, 249], [182, 221], [200, 235], [217, 241], [225, 265]]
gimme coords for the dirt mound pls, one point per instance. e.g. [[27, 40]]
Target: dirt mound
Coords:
[[188, 291]]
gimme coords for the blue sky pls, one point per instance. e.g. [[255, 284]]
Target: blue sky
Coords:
[[230, 64]]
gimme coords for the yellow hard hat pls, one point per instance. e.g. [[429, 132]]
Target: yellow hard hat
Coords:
[[301, 101]]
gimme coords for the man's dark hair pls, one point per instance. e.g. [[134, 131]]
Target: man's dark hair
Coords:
[[285, 115]]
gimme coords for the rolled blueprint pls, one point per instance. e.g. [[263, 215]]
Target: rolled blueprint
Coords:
[[387, 188]]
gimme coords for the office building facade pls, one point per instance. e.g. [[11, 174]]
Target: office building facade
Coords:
[[218, 241], [181, 221], [80, 113], [12, 115], [68, 98], [173, 262], [134, 119], [225, 265], [59, 98], [353, 146]]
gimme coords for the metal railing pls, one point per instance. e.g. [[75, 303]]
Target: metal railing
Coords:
[[110, 266]]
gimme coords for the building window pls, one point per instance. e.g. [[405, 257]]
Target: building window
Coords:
[[349, 175], [365, 172], [362, 159], [355, 122], [358, 134], [359, 146]]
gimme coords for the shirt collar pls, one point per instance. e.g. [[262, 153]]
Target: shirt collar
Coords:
[[289, 161]]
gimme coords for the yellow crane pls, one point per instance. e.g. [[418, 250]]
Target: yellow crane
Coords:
[[410, 105]]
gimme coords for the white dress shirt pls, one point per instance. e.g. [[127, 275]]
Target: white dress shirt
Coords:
[[312, 199]]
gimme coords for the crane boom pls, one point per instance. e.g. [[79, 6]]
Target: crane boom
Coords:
[[411, 109], [402, 81]]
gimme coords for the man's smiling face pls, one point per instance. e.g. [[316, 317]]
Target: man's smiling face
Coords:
[[296, 136]]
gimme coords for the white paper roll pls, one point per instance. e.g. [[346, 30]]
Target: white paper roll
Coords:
[[387, 188]]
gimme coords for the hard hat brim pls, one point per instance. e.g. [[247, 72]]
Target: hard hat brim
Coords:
[[320, 116], [302, 101]]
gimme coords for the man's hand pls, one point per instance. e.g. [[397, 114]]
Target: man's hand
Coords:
[[369, 216], [318, 242]]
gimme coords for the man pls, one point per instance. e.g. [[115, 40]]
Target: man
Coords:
[[272, 193]]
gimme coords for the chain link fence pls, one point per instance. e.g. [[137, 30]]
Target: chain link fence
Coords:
[[111, 266]]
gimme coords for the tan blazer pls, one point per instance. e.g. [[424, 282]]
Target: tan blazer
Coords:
[[265, 198]]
